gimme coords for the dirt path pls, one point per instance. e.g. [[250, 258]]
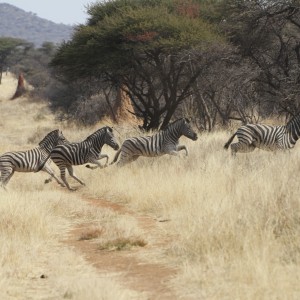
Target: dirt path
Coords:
[[135, 272]]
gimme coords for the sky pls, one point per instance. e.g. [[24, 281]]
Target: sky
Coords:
[[70, 12]]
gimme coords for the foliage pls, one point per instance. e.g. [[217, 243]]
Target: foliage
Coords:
[[258, 74], [267, 33], [142, 45], [213, 61]]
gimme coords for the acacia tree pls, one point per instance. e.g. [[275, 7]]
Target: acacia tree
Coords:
[[267, 34], [143, 47]]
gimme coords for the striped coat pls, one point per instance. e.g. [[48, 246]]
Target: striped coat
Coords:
[[87, 151], [265, 137], [30, 160], [164, 142]]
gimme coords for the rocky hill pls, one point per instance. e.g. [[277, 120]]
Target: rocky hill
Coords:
[[17, 23]]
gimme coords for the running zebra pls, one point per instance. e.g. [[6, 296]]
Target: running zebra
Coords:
[[265, 137], [30, 160], [87, 151], [164, 142]]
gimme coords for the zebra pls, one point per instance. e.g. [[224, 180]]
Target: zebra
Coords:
[[163, 142], [88, 151], [30, 160], [101, 156], [270, 138]]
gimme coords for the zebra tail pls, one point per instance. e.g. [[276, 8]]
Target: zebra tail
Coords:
[[116, 157], [229, 141], [42, 164]]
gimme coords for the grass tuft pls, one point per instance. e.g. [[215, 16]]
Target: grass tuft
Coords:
[[91, 233], [122, 244]]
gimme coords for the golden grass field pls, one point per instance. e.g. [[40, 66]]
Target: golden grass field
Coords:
[[232, 226]]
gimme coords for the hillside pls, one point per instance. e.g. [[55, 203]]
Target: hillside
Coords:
[[17, 23]]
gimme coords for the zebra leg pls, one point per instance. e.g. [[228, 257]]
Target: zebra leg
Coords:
[[98, 165], [116, 157], [173, 153], [71, 172], [128, 154], [183, 147], [6, 175], [52, 174], [63, 177], [2, 185], [104, 156], [95, 161]]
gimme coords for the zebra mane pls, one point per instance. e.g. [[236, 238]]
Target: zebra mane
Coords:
[[99, 131], [52, 133]]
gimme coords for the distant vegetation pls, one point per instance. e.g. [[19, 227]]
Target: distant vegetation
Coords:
[[214, 61], [15, 22]]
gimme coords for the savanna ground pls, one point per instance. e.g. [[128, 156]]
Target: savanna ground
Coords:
[[202, 227]]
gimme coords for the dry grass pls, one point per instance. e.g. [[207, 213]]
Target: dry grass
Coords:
[[234, 223], [122, 244], [91, 233], [36, 218]]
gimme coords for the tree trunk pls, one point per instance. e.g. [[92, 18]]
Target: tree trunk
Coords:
[[169, 115]]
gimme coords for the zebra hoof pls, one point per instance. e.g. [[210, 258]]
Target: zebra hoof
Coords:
[[72, 189], [88, 166]]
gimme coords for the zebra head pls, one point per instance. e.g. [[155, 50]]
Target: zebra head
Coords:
[[110, 139], [187, 130]]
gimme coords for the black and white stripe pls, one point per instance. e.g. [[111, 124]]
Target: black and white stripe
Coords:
[[30, 160], [265, 137], [87, 151], [164, 142]]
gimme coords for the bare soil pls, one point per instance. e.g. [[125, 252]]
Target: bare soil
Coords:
[[136, 272]]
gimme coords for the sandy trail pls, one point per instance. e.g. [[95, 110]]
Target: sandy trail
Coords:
[[135, 272]]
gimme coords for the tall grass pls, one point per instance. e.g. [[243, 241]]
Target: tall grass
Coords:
[[235, 222], [233, 225]]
